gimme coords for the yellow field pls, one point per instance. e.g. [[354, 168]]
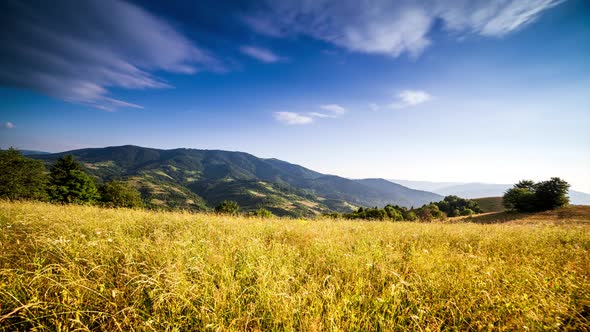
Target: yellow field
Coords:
[[86, 268]]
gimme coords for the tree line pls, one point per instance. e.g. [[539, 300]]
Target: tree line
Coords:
[[23, 178], [450, 206]]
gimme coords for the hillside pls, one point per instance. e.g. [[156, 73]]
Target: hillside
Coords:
[[92, 269], [490, 204], [200, 179]]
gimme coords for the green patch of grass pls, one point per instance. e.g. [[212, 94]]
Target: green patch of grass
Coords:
[[162, 173], [490, 204], [74, 267]]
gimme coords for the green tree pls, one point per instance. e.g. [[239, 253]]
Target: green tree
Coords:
[[429, 212], [262, 213], [454, 206], [466, 212], [393, 213], [519, 199], [228, 207], [528, 196], [21, 177], [551, 194], [120, 194], [69, 184], [410, 216]]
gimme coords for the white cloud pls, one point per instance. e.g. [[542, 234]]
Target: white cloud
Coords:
[[292, 118], [408, 98], [334, 108], [492, 18], [261, 54], [77, 50], [391, 27], [8, 125], [333, 111]]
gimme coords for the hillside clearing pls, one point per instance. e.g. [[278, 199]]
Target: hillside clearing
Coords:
[[75, 267]]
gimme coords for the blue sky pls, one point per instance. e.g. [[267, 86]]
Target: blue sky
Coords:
[[488, 91]]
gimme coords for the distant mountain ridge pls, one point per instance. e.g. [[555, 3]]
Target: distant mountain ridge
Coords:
[[479, 190], [32, 152], [201, 179]]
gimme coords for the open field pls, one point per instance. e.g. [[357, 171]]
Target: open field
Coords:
[[86, 268]]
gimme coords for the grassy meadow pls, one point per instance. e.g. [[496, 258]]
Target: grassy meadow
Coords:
[[87, 268]]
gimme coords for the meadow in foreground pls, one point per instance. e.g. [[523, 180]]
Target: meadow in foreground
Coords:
[[87, 268]]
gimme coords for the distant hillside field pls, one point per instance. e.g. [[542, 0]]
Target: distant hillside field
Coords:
[[86, 268], [490, 204], [201, 179]]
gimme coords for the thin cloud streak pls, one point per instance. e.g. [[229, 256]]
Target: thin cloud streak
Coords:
[[334, 108], [292, 118], [261, 54]]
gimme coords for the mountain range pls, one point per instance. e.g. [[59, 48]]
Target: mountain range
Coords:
[[200, 179], [478, 190]]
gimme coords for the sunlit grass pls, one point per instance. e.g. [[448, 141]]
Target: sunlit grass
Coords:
[[72, 267]]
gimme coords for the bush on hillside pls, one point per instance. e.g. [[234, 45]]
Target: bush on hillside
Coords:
[[120, 194], [262, 213], [228, 207]]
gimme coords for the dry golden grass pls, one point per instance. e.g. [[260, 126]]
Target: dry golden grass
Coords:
[[86, 268]]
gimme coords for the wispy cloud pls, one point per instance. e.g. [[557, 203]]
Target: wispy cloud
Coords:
[[331, 111], [334, 108], [408, 98], [391, 27], [7, 125], [77, 50], [261, 54], [292, 118], [322, 115]]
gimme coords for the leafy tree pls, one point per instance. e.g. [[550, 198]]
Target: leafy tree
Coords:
[[228, 207], [262, 213], [467, 212], [410, 216], [69, 184], [120, 194], [429, 212], [454, 206], [551, 194], [528, 196], [21, 177], [519, 199], [393, 213], [375, 214], [526, 184]]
